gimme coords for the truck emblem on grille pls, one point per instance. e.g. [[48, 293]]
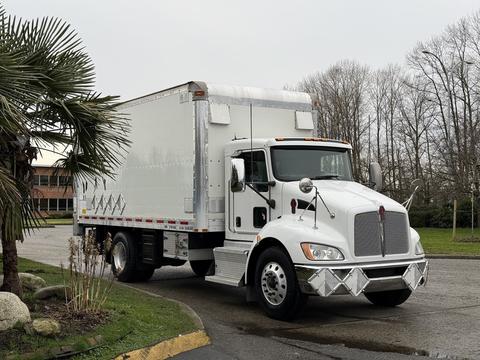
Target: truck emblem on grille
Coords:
[[381, 218]]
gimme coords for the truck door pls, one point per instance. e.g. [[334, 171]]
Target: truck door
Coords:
[[250, 211]]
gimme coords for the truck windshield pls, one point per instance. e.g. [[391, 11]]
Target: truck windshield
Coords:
[[292, 163]]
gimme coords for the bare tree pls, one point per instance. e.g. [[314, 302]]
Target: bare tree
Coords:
[[341, 91], [421, 121]]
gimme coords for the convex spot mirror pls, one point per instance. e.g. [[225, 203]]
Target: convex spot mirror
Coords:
[[237, 179], [375, 174], [305, 185]]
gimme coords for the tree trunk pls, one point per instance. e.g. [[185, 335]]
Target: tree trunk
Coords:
[[11, 281]]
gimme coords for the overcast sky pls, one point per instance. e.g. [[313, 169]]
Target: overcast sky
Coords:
[[144, 46]]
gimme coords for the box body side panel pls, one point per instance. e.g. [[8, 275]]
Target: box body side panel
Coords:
[[155, 180]]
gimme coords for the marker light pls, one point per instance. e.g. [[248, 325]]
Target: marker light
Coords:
[[293, 205], [419, 249]]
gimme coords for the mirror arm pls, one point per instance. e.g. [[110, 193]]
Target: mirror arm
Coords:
[[307, 207], [332, 214], [270, 202]]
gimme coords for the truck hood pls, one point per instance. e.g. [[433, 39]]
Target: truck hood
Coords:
[[342, 197], [345, 199]]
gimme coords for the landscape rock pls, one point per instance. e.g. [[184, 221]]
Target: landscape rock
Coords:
[[46, 327], [48, 292], [31, 282], [12, 311]]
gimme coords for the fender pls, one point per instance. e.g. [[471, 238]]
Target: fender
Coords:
[[288, 232]]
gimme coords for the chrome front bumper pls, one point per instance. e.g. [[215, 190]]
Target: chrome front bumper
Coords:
[[357, 279]]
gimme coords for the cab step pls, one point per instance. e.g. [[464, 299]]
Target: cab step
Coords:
[[230, 264]]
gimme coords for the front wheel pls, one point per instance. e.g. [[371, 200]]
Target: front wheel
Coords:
[[389, 298], [276, 285]]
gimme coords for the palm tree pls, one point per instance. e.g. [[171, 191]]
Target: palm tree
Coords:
[[47, 102]]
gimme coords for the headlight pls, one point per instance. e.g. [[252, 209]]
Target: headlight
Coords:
[[419, 249], [321, 252]]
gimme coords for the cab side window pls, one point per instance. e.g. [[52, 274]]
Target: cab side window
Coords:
[[255, 169]]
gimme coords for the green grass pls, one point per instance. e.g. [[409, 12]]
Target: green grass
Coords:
[[146, 320], [439, 241], [58, 221]]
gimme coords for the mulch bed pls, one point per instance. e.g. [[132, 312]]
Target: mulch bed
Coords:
[[72, 323]]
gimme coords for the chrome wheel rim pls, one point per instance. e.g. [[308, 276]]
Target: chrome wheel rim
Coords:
[[274, 283], [119, 254]]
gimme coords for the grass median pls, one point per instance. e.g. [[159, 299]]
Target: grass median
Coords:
[[439, 241], [68, 221], [135, 320]]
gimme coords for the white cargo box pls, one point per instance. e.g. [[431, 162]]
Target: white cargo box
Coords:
[[173, 175]]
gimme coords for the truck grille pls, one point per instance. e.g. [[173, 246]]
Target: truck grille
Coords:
[[367, 238]]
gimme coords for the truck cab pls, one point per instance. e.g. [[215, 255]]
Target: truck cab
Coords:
[[297, 218]]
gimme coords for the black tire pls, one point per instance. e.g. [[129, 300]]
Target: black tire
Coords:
[[144, 272], [200, 267], [128, 272], [289, 304], [389, 298]]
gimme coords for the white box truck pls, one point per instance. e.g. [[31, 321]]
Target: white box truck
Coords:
[[231, 180]]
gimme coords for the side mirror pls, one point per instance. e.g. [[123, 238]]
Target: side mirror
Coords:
[[305, 185], [416, 184], [237, 178], [376, 179]]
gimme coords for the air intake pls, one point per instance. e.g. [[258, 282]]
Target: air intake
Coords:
[[367, 234]]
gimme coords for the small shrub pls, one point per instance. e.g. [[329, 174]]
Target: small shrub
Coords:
[[60, 215], [441, 215], [87, 265]]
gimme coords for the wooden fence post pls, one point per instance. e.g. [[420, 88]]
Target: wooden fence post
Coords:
[[454, 233]]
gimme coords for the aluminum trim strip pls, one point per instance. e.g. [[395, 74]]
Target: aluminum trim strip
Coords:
[[372, 265], [200, 181], [218, 99]]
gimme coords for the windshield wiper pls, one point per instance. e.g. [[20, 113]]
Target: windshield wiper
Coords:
[[327, 176]]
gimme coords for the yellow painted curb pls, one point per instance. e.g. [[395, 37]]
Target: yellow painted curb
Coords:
[[169, 348]]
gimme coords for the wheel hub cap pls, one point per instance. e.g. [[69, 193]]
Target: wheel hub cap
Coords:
[[274, 283], [119, 254]]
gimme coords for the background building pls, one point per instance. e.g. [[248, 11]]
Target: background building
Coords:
[[52, 192]]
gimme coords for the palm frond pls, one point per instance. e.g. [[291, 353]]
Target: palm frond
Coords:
[[98, 134], [46, 96], [54, 50], [9, 193]]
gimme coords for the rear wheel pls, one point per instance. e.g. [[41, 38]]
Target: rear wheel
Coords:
[[200, 267], [124, 257], [389, 298], [144, 272], [276, 285]]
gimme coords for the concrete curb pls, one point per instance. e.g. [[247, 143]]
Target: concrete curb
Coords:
[[173, 346], [458, 257], [169, 348]]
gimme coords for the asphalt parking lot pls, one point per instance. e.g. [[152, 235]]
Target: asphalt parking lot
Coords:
[[441, 320]]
